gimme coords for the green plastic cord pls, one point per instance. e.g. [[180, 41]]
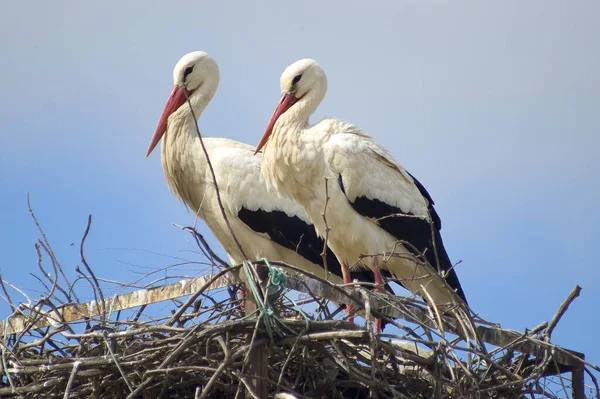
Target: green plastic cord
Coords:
[[277, 284], [277, 281], [266, 314]]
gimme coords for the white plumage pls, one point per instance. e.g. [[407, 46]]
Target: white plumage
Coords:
[[374, 202], [257, 218]]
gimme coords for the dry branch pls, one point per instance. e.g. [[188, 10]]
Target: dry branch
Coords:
[[199, 347]]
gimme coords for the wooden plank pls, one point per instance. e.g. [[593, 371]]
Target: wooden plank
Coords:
[[502, 337], [578, 383], [22, 318], [491, 335], [258, 359]]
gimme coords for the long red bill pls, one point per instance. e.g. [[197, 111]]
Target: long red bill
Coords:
[[176, 99], [286, 101]]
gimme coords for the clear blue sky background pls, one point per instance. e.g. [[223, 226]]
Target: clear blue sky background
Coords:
[[494, 107]]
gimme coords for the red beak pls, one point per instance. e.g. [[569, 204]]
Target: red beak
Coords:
[[176, 100], [287, 100]]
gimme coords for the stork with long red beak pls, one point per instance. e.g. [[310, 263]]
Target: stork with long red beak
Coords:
[[264, 224], [376, 208]]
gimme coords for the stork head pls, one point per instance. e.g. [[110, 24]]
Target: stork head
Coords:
[[303, 80], [193, 70]]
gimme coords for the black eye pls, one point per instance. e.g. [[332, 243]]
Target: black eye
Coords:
[[187, 71], [296, 79]]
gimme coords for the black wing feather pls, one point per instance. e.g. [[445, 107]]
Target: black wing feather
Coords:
[[293, 233], [413, 230]]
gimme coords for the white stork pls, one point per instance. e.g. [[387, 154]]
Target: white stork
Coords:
[[264, 224], [374, 205]]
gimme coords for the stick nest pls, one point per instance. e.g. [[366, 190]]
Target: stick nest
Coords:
[[206, 347]]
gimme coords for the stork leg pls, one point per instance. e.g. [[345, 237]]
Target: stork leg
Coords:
[[347, 280], [241, 293], [380, 283]]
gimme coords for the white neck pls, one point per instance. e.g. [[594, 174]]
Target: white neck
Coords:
[[181, 122], [296, 118], [181, 155]]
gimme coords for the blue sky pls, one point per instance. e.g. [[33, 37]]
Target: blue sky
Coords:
[[494, 107]]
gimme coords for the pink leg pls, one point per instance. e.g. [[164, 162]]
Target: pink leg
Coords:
[[347, 280], [242, 297], [379, 281]]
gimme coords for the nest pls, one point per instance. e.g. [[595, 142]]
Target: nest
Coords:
[[297, 343]]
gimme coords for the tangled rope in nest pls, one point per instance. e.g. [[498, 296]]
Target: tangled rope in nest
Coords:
[[206, 347]]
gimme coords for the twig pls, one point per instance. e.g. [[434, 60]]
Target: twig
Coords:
[[89, 269], [203, 245], [117, 363], [205, 352], [220, 370], [192, 298], [327, 228], [71, 380], [248, 386], [54, 281], [201, 242], [8, 299], [372, 343], [212, 172], [543, 325], [561, 311], [594, 381], [47, 245], [6, 350], [41, 281]]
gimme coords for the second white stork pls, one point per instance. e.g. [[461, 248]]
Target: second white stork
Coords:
[[376, 208], [264, 224]]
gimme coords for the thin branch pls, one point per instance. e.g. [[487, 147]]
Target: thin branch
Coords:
[[47, 246], [212, 172], [8, 299], [89, 269], [562, 310], [434, 352], [327, 228], [71, 380]]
